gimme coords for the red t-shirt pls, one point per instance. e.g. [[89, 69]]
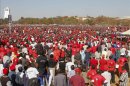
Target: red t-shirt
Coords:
[[91, 73], [122, 60], [102, 62], [62, 54], [74, 51], [98, 80], [111, 65], [77, 80], [56, 54], [94, 62], [113, 50]]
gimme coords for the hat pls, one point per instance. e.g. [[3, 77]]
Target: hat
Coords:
[[78, 70], [12, 67], [5, 71], [122, 54]]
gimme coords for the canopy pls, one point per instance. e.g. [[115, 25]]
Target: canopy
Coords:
[[126, 32]]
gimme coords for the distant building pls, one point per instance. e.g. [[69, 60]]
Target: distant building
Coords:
[[6, 12]]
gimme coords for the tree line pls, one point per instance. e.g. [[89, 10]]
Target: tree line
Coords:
[[100, 20]]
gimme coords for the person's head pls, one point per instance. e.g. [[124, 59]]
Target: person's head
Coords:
[[0, 61], [105, 49], [5, 71], [68, 59], [93, 67], [20, 61], [78, 71], [98, 71], [20, 69], [72, 67], [12, 67], [124, 68], [51, 56], [110, 57]]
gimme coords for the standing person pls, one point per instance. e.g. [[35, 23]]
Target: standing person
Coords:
[[87, 58], [32, 74], [61, 65], [42, 64], [111, 68], [51, 66], [68, 65], [57, 53], [102, 63], [74, 51], [93, 62], [82, 52], [121, 61], [123, 80], [5, 81], [98, 80], [107, 75], [91, 72], [12, 75], [19, 76], [77, 80], [60, 79], [109, 53], [70, 73], [1, 68]]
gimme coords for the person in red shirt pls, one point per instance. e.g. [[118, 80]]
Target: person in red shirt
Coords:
[[74, 51], [111, 68], [102, 63], [77, 80], [93, 62], [91, 72], [121, 61], [62, 55], [98, 80], [56, 53], [94, 48]]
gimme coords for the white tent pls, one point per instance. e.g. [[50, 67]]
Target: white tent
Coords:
[[126, 32]]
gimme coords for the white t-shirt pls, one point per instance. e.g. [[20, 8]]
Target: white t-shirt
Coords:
[[71, 73], [1, 69], [68, 66], [128, 52], [32, 72], [123, 51], [16, 67], [107, 76]]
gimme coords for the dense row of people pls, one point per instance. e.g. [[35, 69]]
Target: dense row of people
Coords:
[[62, 56]]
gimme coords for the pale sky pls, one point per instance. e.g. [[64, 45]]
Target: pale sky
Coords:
[[52, 8]]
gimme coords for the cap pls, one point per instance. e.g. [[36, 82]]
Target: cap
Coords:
[[78, 70], [12, 67], [5, 71]]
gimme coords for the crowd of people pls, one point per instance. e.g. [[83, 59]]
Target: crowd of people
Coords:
[[63, 56]]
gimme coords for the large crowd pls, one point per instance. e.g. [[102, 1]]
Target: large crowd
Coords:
[[59, 55]]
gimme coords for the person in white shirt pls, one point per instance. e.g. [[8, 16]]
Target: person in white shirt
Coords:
[[104, 52], [123, 50], [68, 65], [32, 74], [109, 53], [107, 76], [1, 68], [70, 74]]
